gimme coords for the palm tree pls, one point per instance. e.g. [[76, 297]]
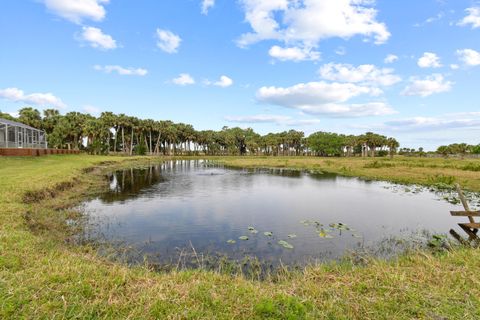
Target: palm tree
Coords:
[[122, 121], [373, 141], [30, 117], [108, 120], [392, 145], [50, 120]]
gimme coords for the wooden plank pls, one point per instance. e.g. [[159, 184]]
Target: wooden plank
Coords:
[[465, 213], [471, 235], [470, 225], [464, 201], [458, 237]]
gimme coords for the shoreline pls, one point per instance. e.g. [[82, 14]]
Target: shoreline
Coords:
[[38, 269]]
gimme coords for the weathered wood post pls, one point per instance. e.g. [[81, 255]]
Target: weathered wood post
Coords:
[[471, 228], [464, 202]]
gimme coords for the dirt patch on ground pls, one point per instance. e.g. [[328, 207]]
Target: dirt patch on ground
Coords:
[[47, 193]]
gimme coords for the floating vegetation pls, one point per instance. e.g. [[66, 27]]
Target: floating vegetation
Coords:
[[291, 236], [339, 226], [444, 191], [305, 222], [356, 235], [254, 231], [231, 241], [324, 234], [285, 244], [268, 234], [438, 241], [251, 228], [244, 238]]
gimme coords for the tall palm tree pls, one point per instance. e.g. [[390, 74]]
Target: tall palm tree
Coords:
[[392, 145]]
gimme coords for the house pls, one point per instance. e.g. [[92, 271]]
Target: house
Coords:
[[18, 135]]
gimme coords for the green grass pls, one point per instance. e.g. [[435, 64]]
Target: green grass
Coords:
[[43, 276]]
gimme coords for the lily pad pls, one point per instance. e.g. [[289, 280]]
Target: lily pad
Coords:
[[231, 241], [291, 236], [305, 222], [324, 234], [285, 244], [339, 226], [243, 238], [251, 228], [268, 233]]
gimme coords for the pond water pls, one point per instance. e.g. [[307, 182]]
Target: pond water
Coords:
[[163, 209]]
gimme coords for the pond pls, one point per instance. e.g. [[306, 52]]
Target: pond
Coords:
[[163, 210]]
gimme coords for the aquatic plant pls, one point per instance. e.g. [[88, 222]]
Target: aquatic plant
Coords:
[[324, 234], [339, 226], [285, 244]]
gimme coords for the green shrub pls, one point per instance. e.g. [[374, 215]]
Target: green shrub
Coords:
[[379, 164], [471, 167]]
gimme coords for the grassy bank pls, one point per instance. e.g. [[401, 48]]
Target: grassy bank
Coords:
[[43, 276], [424, 171]]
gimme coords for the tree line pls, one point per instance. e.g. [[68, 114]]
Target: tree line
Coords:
[[120, 133], [458, 148]]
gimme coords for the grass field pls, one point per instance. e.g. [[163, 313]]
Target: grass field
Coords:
[[43, 276]]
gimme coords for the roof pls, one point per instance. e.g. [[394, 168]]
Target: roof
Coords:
[[16, 124]]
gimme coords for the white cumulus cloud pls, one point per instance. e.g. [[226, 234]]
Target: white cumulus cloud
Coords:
[[207, 5], [293, 53], [427, 86], [168, 41], [184, 79], [454, 66], [97, 39], [223, 82], [469, 57], [365, 73], [325, 98], [391, 58], [307, 22], [443, 122], [429, 60], [276, 119], [39, 99], [78, 10], [121, 70], [472, 18], [433, 123]]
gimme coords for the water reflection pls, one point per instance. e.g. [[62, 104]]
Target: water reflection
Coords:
[[129, 183], [162, 209]]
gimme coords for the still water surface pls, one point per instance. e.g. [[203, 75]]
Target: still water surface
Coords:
[[164, 208]]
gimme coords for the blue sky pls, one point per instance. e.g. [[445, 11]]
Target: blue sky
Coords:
[[408, 69]]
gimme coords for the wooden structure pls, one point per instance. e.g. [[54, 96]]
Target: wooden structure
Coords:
[[471, 227]]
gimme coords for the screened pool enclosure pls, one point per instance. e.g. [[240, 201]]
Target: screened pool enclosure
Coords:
[[18, 135]]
